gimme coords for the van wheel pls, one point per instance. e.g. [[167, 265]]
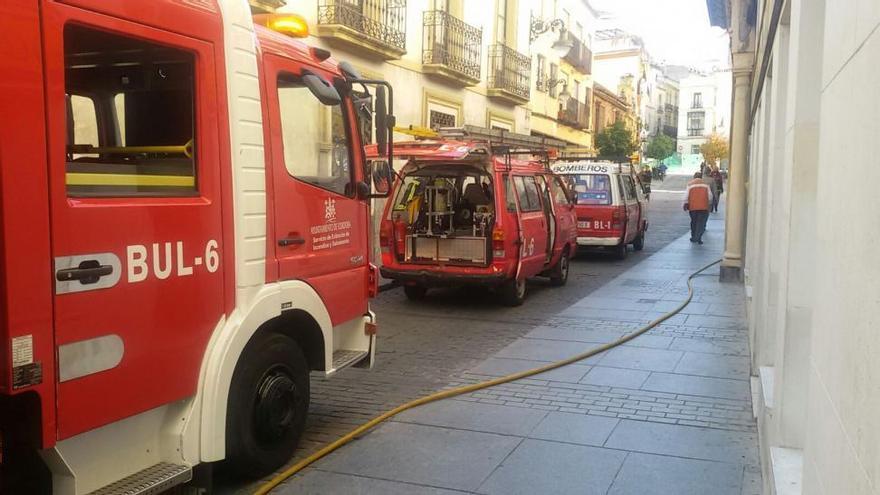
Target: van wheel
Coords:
[[559, 274], [513, 292], [620, 251], [639, 242], [268, 404], [415, 292]]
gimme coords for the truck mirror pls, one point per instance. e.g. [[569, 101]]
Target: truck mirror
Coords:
[[323, 90], [381, 118], [381, 174]]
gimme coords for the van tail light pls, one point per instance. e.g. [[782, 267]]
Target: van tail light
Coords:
[[618, 216], [498, 243], [385, 231]]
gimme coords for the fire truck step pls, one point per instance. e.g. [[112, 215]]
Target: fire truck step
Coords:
[[154, 479], [344, 358]]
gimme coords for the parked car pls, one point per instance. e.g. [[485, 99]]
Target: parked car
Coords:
[[468, 213], [610, 202]]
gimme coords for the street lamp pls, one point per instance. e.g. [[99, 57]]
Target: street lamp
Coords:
[[538, 26], [564, 95]]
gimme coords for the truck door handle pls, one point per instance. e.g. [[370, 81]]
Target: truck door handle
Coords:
[[291, 241], [88, 272]]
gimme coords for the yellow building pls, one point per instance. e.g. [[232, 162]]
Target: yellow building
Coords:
[[563, 85], [609, 108]]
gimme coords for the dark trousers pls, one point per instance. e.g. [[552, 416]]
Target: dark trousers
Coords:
[[698, 224], [715, 200]]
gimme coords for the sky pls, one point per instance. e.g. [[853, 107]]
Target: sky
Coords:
[[674, 31]]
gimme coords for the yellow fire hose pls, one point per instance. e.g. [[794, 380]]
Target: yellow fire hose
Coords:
[[445, 394]]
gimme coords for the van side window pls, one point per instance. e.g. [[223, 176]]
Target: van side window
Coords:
[[629, 187], [559, 191], [527, 192], [317, 149], [533, 194], [509, 194], [130, 124]]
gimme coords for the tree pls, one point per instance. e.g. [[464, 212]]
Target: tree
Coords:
[[714, 150], [661, 147], [616, 140]]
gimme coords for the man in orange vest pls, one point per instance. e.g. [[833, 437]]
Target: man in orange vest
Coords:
[[699, 197]]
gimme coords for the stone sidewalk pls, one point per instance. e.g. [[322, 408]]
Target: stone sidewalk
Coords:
[[667, 413]]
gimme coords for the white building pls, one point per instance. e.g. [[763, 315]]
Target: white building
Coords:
[[661, 109], [802, 234], [704, 109]]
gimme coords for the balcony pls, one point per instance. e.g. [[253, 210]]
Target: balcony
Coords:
[[671, 131], [670, 108], [509, 74], [452, 48], [574, 114], [374, 26], [580, 57], [696, 132]]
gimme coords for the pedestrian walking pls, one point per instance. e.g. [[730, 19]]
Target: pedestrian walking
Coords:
[[699, 199], [713, 186], [719, 188]]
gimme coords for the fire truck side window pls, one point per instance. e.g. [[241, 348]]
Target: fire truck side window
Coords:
[[130, 125], [315, 138]]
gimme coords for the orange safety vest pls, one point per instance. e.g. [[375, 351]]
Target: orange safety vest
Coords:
[[698, 195]]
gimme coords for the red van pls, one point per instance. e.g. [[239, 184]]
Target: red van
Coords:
[[611, 205], [471, 212]]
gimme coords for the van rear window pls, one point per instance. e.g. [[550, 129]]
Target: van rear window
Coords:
[[590, 189]]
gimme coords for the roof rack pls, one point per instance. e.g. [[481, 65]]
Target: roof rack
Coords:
[[509, 142]]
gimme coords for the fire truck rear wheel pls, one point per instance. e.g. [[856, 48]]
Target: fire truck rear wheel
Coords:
[[415, 292], [513, 292], [268, 404], [559, 275]]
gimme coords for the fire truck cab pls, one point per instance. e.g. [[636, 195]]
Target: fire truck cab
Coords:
[[610, 202], [477, 207], [183, 238]]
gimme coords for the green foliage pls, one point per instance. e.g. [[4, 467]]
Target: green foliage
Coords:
[[661, 147], [616, 140], [714, 150]]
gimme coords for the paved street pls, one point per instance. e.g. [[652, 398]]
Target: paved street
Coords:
[[670, 409]]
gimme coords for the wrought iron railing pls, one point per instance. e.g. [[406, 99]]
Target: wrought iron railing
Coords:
[[382, 20], [580, 56], [451, 42], [695, 132], [671, 108], [574, 114], [509, 70]]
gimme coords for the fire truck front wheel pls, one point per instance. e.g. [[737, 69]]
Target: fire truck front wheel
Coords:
[[268, 403]]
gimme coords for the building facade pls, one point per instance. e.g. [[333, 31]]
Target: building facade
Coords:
[[704, 109], [661, 110], [799, 234], [609, 107], [563, 85], [450, 62]]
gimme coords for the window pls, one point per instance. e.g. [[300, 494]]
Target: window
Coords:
[[501, 21], [695, 149], [533, 194], [576, 90], [590, 189], [440, 119], [629, 187], [315, 138], [698, 100], [134, 134], [696, 121], [554, 73], [527, 192], [560, 191], [509, 194], [540, 75]]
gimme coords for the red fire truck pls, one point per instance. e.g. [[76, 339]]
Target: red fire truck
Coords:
[[477, 207], [183, 239]]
